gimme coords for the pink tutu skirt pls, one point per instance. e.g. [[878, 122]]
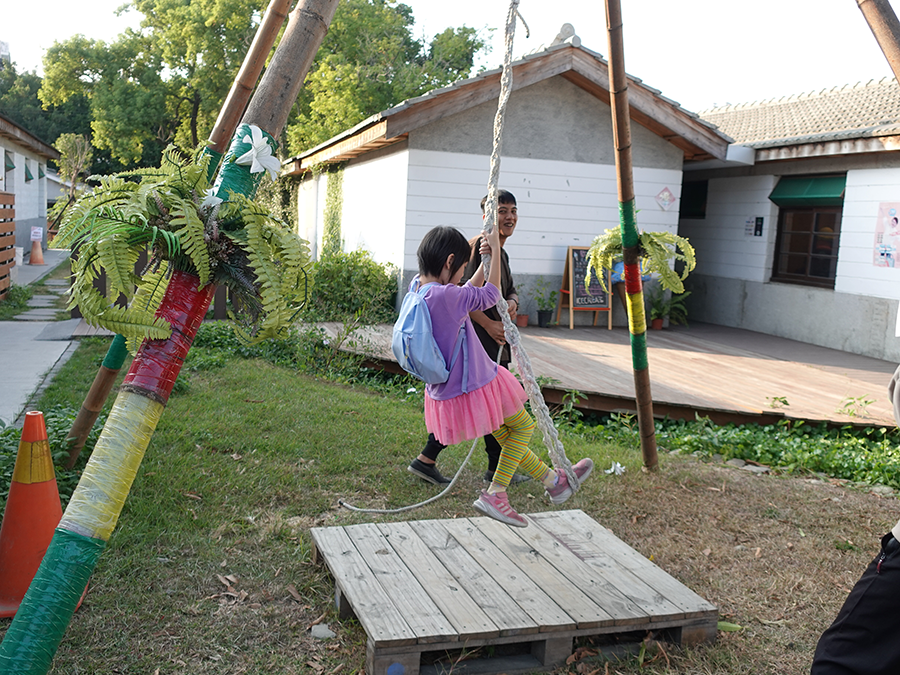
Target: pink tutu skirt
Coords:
[[472, 415]]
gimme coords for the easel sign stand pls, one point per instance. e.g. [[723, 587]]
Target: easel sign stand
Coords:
[[573, 295]]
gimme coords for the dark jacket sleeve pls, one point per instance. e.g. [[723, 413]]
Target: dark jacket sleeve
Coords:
[[507, 288]]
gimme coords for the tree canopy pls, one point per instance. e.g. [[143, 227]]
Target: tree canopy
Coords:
[[165, 82], [19, 102], [368, 62]]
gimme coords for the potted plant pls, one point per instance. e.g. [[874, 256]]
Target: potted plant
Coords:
[[662, 307], [658, 249], [545, 299]]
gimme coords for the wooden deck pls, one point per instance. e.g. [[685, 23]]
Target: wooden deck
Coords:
[[727, 374], [426, 592]]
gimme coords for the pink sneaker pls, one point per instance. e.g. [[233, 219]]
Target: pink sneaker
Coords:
[[497, 506], [560, 492]]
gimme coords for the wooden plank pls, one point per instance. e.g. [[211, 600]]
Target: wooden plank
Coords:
[[595, 553], [467, 618], [595, 581], [381, 620], [577, 604], [7, 215], [7, 239], [7, 198], [505, 613], [418, 610], [585, 537], [543, 610]]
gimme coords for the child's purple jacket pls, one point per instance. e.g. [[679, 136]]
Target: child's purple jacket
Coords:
[[449, 307]]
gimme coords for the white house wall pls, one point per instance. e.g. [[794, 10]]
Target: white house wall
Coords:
[[31, 196], [374, 205], [731, 285], [560, 204]]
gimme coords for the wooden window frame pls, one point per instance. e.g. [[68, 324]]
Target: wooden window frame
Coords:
[[779, 273]]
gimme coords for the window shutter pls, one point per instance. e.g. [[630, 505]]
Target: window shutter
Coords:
[[28, 176], [10, 165]]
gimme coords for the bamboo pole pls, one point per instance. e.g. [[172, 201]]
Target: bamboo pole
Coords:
[[281, 83], [229, 116], [248, 76], [637, 323], [885, 27]]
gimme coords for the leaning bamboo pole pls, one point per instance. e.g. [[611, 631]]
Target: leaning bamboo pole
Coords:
[[885, 27], [637, 323], [223, 130], [33, 637]]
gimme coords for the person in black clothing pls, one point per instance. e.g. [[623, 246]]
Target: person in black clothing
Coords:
[[489, 327], [863, 638]]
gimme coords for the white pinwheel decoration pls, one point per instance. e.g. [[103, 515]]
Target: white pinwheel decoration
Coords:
[[259, 156]]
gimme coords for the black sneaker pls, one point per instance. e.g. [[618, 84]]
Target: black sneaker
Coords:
[[427, 472], [517, 477]]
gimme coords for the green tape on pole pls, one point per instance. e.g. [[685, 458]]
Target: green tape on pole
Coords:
[[115, 355], [235, 177], [38, 627], [639, 351], [214, 159], [628, 221]]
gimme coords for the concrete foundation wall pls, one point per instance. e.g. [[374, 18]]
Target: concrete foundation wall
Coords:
[[852, 323]]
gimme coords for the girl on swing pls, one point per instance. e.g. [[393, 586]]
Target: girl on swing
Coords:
[[479, 398]]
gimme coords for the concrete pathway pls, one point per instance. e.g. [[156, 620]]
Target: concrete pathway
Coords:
[[34, 344]]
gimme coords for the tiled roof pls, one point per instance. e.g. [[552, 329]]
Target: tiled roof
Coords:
[[864, 110]]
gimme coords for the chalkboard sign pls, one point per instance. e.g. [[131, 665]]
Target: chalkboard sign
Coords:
[[573, 295], [594, 297]]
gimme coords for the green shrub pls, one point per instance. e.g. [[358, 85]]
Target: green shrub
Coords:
[[16, 301], [352, 286]]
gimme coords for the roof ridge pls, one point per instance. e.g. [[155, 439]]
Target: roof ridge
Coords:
[[802, 96]]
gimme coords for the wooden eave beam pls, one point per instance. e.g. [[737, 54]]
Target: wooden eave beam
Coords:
[[395, 126], [526, 73], [15, 133], [836, 148], [691, 136]]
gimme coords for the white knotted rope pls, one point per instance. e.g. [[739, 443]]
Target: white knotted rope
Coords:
[[523, 363]]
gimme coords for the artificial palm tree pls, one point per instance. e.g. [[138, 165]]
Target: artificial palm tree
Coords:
[[199, 236]]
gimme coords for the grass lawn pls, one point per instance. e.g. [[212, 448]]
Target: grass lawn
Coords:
[[209, 569]]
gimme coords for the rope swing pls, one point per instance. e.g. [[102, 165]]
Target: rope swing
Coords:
[[520, 357]]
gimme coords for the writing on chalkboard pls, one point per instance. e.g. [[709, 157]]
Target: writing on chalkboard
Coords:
[[592, 297]]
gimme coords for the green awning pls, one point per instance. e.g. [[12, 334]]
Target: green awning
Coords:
[[10, 165], [41, 173], [809, 191], [28, 175]]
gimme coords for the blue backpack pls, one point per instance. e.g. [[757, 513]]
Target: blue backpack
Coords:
[[413, 342]]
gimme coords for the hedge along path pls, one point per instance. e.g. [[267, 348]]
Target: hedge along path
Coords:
[[229, 116], [87, 524]]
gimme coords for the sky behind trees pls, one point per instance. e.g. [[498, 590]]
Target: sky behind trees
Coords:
[[700, 53]]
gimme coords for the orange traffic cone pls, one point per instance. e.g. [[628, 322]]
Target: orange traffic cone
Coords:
[[37, 254], [32, 513]]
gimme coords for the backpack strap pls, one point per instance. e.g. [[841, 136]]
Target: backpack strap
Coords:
[[460, 346]]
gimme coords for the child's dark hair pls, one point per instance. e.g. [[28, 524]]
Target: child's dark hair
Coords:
[[503, 197], [435, 248]]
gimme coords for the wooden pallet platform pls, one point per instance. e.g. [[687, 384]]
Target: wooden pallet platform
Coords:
[[431, 588]]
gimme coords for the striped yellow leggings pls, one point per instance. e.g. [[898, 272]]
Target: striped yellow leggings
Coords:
[[513, 437]]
